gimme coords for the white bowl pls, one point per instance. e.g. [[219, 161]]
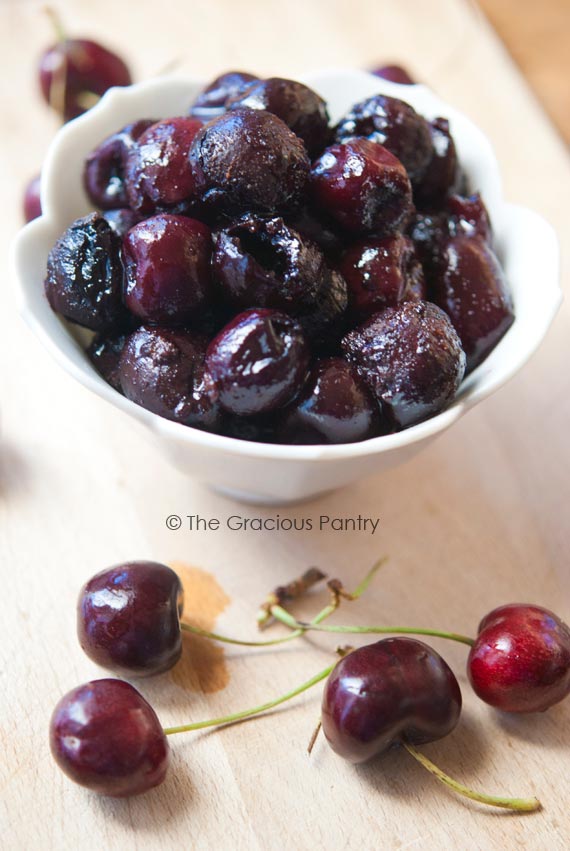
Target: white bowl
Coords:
[[265, 473]]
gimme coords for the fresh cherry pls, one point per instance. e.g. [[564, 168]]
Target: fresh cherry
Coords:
[[394, 73], [362, 186], [520, 661], [105, 736], [85, 274], [258, 362], [380, 695], [128, 618], [32, 199], [104, 170], [162, 370], [167, 269], [249, 160], [411, 358], [211, 102]]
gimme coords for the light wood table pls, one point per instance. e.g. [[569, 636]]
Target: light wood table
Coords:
[[478, 519]]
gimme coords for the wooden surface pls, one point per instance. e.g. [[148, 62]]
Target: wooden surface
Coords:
[[479, 519]]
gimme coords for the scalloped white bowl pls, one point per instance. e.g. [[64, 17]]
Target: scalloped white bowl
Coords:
[[258, 472]]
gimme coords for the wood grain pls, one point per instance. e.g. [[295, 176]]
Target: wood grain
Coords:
[[478, 519]]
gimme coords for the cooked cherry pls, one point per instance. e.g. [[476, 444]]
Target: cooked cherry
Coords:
[[85, 273], [469, 284], [398, 689], [105, 353], [325, 322], [104, 171], [262, 428], [167, 269], [74, 70], [32, 199], [302, 109], [411, 357], [441, 175], [520, 661], [105, 736], [212, 101], [128, 618], [163, 371], [469, 217], [248, 160], [394, 73], [121, 220], [258, 362], [158, 173], [320, 229], [362, 186], [395, 125], [335, 406], [381, 273]]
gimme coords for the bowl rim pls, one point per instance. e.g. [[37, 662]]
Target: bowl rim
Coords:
[[74, 360]]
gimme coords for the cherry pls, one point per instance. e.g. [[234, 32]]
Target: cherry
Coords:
[[411, 358], [395, 125], [105, 352], [32, 204], [104, 170], [468, 216], [381, 273], [167, 269], [249, 160], [84, 274], [362, 186], [211, 102], [128, 618], [302, 109], [258, 361], [121, 220], [394, 73], [395, 690], [105, 736], [442, 172], [320, 229], [163, 371], [520, 661], [157, 172]]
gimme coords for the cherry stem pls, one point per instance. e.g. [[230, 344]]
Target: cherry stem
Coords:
[[523, 805], [299, 629], [248, 713], [56, 23]]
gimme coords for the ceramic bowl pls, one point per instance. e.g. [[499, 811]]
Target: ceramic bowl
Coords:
[[265, 473]]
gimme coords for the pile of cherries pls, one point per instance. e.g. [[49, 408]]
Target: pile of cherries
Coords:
[[397, 691], [257, 273]]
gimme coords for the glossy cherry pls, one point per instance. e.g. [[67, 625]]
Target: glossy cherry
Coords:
[[121, 220], [75, 72], [394, 73], [128, 618], [32, 204], [362, 186], [411, 358], [105, 736], [104, 170], [520, 661], [441, 175], [211, 102], [258, 361], [167, 269], [377, 696], [105, 352]]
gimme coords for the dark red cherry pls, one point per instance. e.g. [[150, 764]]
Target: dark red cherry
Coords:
[[302, 109], [442, 172], [85, 274], [320, 229], [258, 362], [468, 216], [470, 285], [362, 186], [121, 220], [520, 661], [32, 199], [105, 352], [128, 618], [75, 70], [162, 370], [381, 273], [394, 73], [167, 269], [248, 160], [104, 170], [395, 125], [398, 689], [335, 406], [105, 736], [411, 358], [212, 101], [157, 172]]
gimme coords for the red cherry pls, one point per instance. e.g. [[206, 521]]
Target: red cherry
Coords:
[[32, 199]]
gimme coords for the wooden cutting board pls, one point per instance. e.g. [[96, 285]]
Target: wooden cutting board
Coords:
[[480, 518]]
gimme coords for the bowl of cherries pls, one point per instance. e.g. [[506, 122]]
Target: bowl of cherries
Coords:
[[290, 284]]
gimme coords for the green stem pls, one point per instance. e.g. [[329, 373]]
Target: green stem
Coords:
[[56, 23], [521, 805], [283, 615], [247, 713]]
